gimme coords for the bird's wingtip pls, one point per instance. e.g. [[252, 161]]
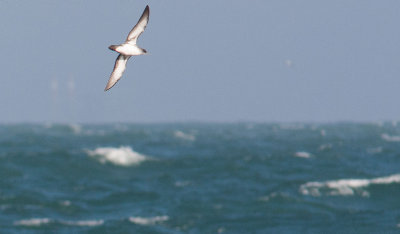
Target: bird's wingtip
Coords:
[[107, 87]]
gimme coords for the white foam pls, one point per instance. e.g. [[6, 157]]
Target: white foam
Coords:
[[65, 203], [302, 154], [182, 183], [269, 197], [85, 223], [123, 156], [184, 136], [36, 222], [76, 128], [390, 138], [345, 187], [148, 221], [325, 147], [273, 196], [221, 230], [32, 222]]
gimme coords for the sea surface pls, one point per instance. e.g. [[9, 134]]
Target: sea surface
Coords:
[[200, 178]]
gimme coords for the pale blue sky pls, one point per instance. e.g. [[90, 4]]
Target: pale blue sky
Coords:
[[209, 61]]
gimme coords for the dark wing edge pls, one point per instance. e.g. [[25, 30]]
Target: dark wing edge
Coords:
[[119, 68], [142, 22]]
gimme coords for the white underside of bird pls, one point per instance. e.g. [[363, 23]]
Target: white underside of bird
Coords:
[[128, 49]]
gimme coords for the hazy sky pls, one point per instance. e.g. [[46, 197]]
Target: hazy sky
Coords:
[[223, 60]]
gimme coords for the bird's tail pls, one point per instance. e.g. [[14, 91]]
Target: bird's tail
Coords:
[[113, 47]]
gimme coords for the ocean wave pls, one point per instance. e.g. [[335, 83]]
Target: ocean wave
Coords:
[[84, 223], [122, 156], [149, 220], [71, 127], [184, 136], [325, 147], [34, 222], [390, 138], [65, 203], [273, 195], [76, 128], [345, 187], [182, 183], [302, 154]]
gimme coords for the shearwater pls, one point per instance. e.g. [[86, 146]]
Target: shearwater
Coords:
[[128, 49]]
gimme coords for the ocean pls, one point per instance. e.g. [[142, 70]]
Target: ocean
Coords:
[[200, 178]]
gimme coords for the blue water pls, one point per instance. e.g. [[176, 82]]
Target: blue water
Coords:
[[200, 178]]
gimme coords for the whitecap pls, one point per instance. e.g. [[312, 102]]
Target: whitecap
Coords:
[[123, 156], [32, 222], [269, 197], [345, 187], [76, 128], [273, 196], [221, 230], [182, 183], [325, 147], [148, 221], [184, 136], [84, 223], [302, 154], [390, 138], [65, 203]]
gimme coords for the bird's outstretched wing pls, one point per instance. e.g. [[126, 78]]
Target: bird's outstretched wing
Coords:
[[139, 27], [119, 68]]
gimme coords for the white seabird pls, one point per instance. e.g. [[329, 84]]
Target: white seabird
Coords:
[[128, 49]]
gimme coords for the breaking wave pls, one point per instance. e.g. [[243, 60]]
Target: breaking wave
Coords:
[[345, 187], [84, 223], [390, 138], [184, 136], [34, 222], [122, 156], [148, 221], [302, 154]]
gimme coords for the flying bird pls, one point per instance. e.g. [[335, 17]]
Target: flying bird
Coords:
[[128, 49]]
